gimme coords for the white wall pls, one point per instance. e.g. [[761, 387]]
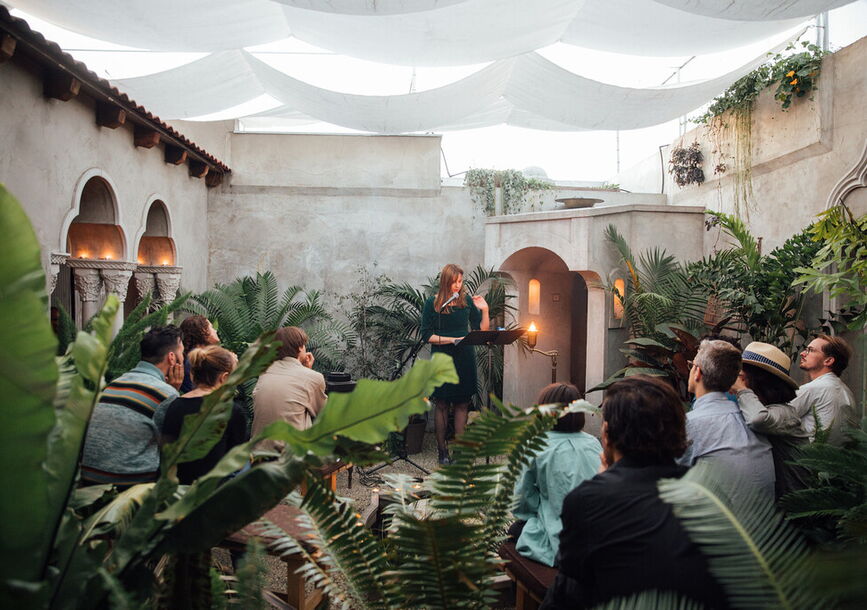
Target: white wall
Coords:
[[312, 209], [48, 146]]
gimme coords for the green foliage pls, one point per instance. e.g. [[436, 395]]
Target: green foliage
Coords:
[[516, 188], [96, 547], [834, 507], [444, 557], [755, 290], [761, 561], [662, 310], [251, 574], [684, 165], [840, 265], [125, 351], [66, 330], [795, 75], [250, 306]]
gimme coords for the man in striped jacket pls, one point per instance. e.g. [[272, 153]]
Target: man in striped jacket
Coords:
[[121, 446]]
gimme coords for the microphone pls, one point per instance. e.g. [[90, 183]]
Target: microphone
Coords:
[[454, 296]]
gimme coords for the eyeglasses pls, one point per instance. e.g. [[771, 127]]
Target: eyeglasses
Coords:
[[809, 349], [690, 364]]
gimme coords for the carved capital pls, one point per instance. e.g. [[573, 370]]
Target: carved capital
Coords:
[[55, 260], [168, 284], [87, 283], [116, 281], [144, 282]]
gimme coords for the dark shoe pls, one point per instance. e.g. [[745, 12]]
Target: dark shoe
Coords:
[[443, 457]]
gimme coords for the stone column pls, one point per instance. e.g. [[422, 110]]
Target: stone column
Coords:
[[168, 282], [88, 287], [145, 281], [116, 282], [56, 259]]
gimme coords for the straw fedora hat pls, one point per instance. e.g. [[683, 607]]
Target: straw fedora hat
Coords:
[[767, 357]]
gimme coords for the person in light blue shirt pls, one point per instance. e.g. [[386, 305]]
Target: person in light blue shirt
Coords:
[[716, 428], [569, 457]]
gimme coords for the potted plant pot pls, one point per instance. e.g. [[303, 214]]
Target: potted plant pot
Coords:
[[414, 435]]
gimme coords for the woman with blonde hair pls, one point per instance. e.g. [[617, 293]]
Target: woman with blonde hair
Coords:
[[210, 367], [445, 320]]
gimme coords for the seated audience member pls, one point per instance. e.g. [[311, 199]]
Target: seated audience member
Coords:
[[716, 428], [570, 456], [196, 331], [210, 367], [824, 360], [121, 444], [764, 390], [290, 390], [619, 538]]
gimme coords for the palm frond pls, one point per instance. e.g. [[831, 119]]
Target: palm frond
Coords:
[[658, 600], [760, 560]]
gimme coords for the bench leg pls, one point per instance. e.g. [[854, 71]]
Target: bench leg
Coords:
[[295, 591]]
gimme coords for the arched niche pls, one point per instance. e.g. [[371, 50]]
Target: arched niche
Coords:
[[156, 246], [93, 232]]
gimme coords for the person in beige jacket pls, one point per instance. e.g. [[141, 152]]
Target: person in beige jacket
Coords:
[[290, 390]]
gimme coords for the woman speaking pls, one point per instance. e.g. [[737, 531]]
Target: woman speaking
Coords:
[[446, 318]]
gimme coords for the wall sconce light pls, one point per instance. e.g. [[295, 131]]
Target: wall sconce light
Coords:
[[619, 293], [534, 290], [532, 334]]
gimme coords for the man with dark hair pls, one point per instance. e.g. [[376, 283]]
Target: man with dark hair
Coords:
[[618, 537], [716, 427], [290, 390], [121, 446], [825, 397]]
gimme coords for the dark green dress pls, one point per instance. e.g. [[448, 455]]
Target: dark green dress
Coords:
[[454, 324]]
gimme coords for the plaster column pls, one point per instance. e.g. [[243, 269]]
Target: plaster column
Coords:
[[88, 287], [56, 259], [116, 282]]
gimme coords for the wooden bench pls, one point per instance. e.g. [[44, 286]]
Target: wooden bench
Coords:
[[531, 578], [284, 517]]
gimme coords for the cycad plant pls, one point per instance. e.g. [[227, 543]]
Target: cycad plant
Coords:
[[250, 306]]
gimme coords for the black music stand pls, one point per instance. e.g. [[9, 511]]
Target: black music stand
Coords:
[[489, 338]]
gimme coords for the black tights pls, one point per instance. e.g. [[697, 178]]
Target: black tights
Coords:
[[442, 420]]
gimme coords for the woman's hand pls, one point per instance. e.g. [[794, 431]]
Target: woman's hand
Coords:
[[740, 384], [480, 303]]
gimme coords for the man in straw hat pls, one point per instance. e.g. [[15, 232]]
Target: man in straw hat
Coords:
[[825, 397], [764, 391], [716, 427]]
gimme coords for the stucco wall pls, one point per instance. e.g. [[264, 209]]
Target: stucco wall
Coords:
[[50, 147], [798, 155], [312, 209]]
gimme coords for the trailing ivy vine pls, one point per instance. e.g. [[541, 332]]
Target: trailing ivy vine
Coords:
[[516, 189], [794, 74]]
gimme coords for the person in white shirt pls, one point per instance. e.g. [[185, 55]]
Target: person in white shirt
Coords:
[[825, 396]]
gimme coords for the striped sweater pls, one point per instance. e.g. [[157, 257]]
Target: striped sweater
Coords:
[[121, 445]]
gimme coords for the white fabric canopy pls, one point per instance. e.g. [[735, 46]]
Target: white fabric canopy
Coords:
[[527, 91], [755, 10], [431, 32]]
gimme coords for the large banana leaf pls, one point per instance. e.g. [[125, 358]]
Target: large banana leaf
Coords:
[[28, 377], [202, 430], [373, 408]]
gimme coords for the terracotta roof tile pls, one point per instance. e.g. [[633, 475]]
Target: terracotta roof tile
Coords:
[[105, 91]]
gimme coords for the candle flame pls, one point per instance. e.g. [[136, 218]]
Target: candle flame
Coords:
[[533, 328]]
